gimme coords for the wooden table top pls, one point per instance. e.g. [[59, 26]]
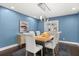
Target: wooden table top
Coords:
[[43, 39]]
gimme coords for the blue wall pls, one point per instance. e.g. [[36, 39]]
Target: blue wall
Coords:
[[9, 25], [69, 25], [40, 26]]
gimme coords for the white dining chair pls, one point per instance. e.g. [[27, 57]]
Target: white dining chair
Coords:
[[31, 45], [37, 33], [53, 43], [56, 38], [32, 32]]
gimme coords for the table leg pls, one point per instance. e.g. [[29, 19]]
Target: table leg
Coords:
[[44, 50]]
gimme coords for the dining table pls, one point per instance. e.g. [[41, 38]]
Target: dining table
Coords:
[[42, 41]]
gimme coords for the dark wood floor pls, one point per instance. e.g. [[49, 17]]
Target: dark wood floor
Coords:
[[8, 52], [64, 50], [73, 50]]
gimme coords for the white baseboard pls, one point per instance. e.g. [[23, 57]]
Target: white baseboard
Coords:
[[67, 42], [7, 47]]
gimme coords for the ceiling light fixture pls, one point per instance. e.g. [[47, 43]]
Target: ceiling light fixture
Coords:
[[43, 6], [41, 17]]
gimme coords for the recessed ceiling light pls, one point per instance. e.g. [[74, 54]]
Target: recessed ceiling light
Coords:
[[73, 8], [12, 7]]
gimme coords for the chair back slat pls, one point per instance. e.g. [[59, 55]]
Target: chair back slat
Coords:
[[30, 41]]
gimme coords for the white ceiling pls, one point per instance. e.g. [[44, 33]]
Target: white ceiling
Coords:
[[31, 9]]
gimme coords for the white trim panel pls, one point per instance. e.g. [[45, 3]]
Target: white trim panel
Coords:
[[67, 42], [7, 47]]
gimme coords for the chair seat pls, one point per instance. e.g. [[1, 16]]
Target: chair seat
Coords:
[[50, 45], [34, 49]]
